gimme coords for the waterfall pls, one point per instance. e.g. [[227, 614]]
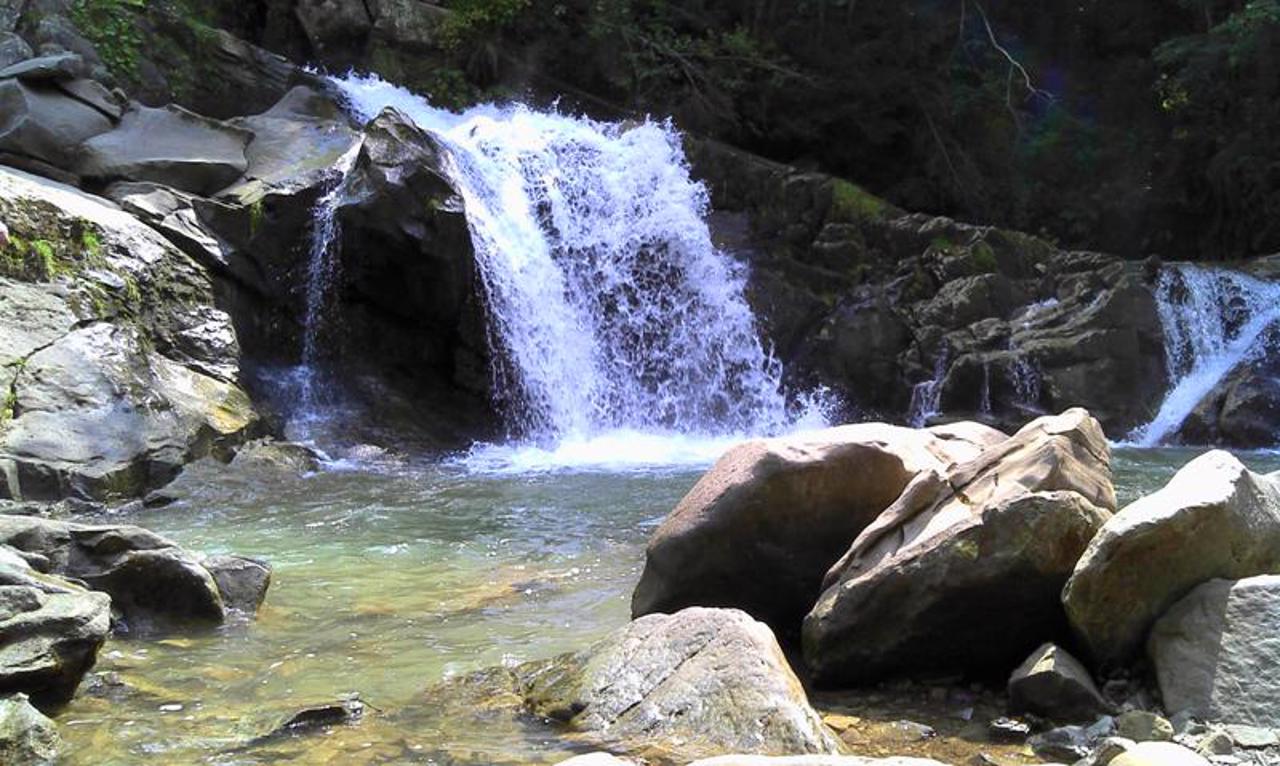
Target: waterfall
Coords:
[[609, 307], [323, 264], [926, 396], [1213, 321]]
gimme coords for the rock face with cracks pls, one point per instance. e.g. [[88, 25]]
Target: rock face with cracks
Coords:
[[962, 572], [760, 529]]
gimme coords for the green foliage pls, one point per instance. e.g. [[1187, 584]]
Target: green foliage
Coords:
[[112, 27], [850, 202], [473, 21], [257, 216], [984, 259]]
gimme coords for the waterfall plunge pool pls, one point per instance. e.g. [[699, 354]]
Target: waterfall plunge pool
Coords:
[[386, 582]]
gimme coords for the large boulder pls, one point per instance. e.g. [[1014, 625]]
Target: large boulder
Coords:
[[50, 630], [692, 684], [963, 571], [42, 123], [154, 584], [118, 368], [1211, 649], [171, 146], [1214, 519], [26, 735], [761, 528]]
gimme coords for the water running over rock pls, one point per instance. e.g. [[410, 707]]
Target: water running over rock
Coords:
[[609, 308], [1214, 321]]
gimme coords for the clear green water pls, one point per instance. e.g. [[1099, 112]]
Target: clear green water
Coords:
[[387, 582]]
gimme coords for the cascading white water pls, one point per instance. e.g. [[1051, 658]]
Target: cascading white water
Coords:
[[926, 396], [1214, 321], [610, 305], [323, 263]]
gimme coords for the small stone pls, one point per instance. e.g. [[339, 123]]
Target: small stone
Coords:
[[172, 707], [1110, 749], [908, 732], [1216, 742], [1103, 727], [1144, 726], [1009, 730], [1066, 743], [1252, 736], [1053, 684]]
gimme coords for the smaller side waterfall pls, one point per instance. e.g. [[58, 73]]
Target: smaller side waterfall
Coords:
[[1214, 321], [323, 274], [926, 396]]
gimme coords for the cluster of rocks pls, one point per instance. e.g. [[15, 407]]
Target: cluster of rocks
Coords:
[[65, 587], [880, 553], [917, 318]]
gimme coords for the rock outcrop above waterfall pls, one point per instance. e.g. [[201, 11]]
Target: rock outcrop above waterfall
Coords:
[[873, 302], [1212, 649], [963, 571], [760, 529], [668, 688], [118, 369], [1214, 519]]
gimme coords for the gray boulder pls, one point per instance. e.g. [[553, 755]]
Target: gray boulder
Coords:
[[1159, 754], [118, 369], [962, 572], [13, 49], [1211, 649], [171, 146], [695, 683], [154, 584], [1054, 685], [26, 735], [1214, 519], [761, 528], [42, 123], [50, 630]]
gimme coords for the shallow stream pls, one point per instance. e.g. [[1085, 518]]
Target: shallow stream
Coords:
[[388, 579]]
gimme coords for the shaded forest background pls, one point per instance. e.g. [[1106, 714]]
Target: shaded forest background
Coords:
[[1134, 126]]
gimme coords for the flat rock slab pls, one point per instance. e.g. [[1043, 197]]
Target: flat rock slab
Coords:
[[1214, 649], [171, 146]]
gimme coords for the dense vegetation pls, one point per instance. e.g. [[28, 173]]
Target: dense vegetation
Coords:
[[1136, 126]]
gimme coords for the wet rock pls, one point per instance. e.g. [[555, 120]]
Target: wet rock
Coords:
[[317, 719], [1158, 754], [170, 146], [1214, 519], [1009, 730], [1216, 742], [43, 124], [278, 456], [1067, 743], [698, 682], [1053, 684], [1144, 726], [50, 630], [760, 529], [120, 369], [242, 582], [1211, 646], [26, 735], [330, 23], [153, 583], [963, 571]]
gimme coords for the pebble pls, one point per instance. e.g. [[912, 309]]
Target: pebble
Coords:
[[1009, 730], [172, 707]]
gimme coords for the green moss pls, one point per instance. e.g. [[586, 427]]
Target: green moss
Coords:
[[984, 259], [850, 202], [257, 216], [941, 244], [112, 27]]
